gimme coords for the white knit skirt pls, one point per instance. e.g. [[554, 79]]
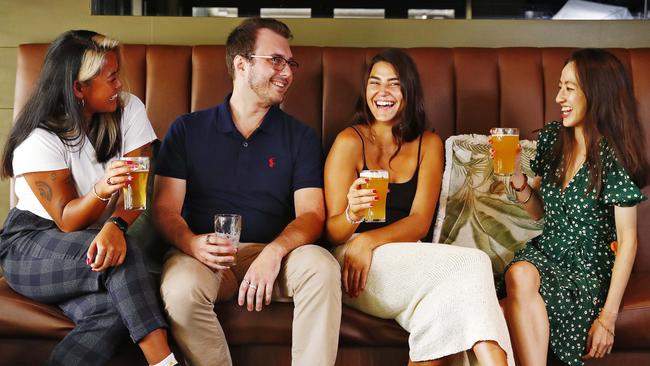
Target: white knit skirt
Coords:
[[442, 295]]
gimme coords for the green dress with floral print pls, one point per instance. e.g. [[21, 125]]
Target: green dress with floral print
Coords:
[[573, 254]]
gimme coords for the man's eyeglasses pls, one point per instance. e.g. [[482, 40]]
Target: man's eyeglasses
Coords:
[[278, 62]]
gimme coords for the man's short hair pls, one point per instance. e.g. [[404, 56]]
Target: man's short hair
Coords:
[[241, 41]]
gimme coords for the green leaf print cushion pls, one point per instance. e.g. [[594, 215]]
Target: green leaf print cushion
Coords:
[[475, 209]]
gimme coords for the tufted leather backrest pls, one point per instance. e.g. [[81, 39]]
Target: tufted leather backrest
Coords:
[[466, 90]]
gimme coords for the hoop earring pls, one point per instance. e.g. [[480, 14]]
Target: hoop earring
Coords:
[[81, 102]]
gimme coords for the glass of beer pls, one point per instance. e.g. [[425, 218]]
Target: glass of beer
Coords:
[[228, 226], [377, 180], [504, 143], [135, 194]]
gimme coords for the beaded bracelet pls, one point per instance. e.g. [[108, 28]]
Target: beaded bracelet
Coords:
[[349, 219], [98, 196]]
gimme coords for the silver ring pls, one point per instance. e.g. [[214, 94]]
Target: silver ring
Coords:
[[252, 286], [247, 281], [100, 255]]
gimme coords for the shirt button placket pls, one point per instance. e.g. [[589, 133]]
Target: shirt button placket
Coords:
[[243, 163]]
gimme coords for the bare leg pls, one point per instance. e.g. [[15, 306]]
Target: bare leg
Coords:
[[154, 346], [489, 353], [504, 308], [526, 315], [444, 361]]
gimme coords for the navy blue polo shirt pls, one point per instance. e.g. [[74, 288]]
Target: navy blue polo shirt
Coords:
[[254, 177]]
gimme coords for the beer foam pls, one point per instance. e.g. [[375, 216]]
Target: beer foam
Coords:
[[504, 131], [139, 163], [374, 174]]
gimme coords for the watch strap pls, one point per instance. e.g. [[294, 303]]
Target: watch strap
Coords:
[[119, 222]]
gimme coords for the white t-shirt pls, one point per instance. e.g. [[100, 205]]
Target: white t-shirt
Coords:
[[44, 151]]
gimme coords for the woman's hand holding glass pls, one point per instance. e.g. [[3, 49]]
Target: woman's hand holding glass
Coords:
[[359, 199], [108, 249], [115, 178], [517, 177]]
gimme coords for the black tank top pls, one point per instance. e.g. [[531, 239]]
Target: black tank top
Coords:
[[399, 199]]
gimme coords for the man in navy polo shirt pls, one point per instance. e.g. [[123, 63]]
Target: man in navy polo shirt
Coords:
[[246, 156]]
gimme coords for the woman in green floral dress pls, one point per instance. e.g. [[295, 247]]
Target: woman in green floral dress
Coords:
[[565, 287]]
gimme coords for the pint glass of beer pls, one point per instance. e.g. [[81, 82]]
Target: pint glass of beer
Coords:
[[135, 194], [377, 180], [504, 143]]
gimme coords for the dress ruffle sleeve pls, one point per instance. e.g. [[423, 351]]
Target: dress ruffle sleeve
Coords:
[[618, 188]]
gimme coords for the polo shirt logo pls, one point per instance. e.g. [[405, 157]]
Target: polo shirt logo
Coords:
[[271, 163]]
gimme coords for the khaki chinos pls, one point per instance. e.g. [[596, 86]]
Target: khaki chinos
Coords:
[[309, 275]]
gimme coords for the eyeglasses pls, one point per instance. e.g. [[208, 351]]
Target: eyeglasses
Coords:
[[278, 62]]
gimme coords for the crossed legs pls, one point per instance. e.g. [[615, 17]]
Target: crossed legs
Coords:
[[106, 307]]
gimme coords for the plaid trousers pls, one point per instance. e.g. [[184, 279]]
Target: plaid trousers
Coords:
[[47, 265]]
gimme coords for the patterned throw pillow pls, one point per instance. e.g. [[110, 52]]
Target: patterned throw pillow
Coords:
[[475, 208]]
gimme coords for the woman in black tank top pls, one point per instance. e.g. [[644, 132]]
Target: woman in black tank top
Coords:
[[386, 272]]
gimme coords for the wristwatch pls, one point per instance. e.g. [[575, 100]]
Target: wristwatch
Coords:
[[119, 222]]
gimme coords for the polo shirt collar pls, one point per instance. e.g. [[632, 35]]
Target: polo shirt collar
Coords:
[[225, 124]]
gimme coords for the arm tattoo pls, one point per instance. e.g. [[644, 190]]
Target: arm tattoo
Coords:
[[44, 190]]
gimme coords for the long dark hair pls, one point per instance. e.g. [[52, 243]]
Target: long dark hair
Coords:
[[411, 121], [76, 55], [611, 115]]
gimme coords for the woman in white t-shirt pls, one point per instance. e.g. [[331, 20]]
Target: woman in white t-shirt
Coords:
[[65, 241]]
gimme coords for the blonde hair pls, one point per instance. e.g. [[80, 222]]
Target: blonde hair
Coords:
[[93, 58], [107, 132], [74, 56]]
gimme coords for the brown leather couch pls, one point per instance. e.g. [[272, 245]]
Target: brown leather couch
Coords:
[[467, 90]]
